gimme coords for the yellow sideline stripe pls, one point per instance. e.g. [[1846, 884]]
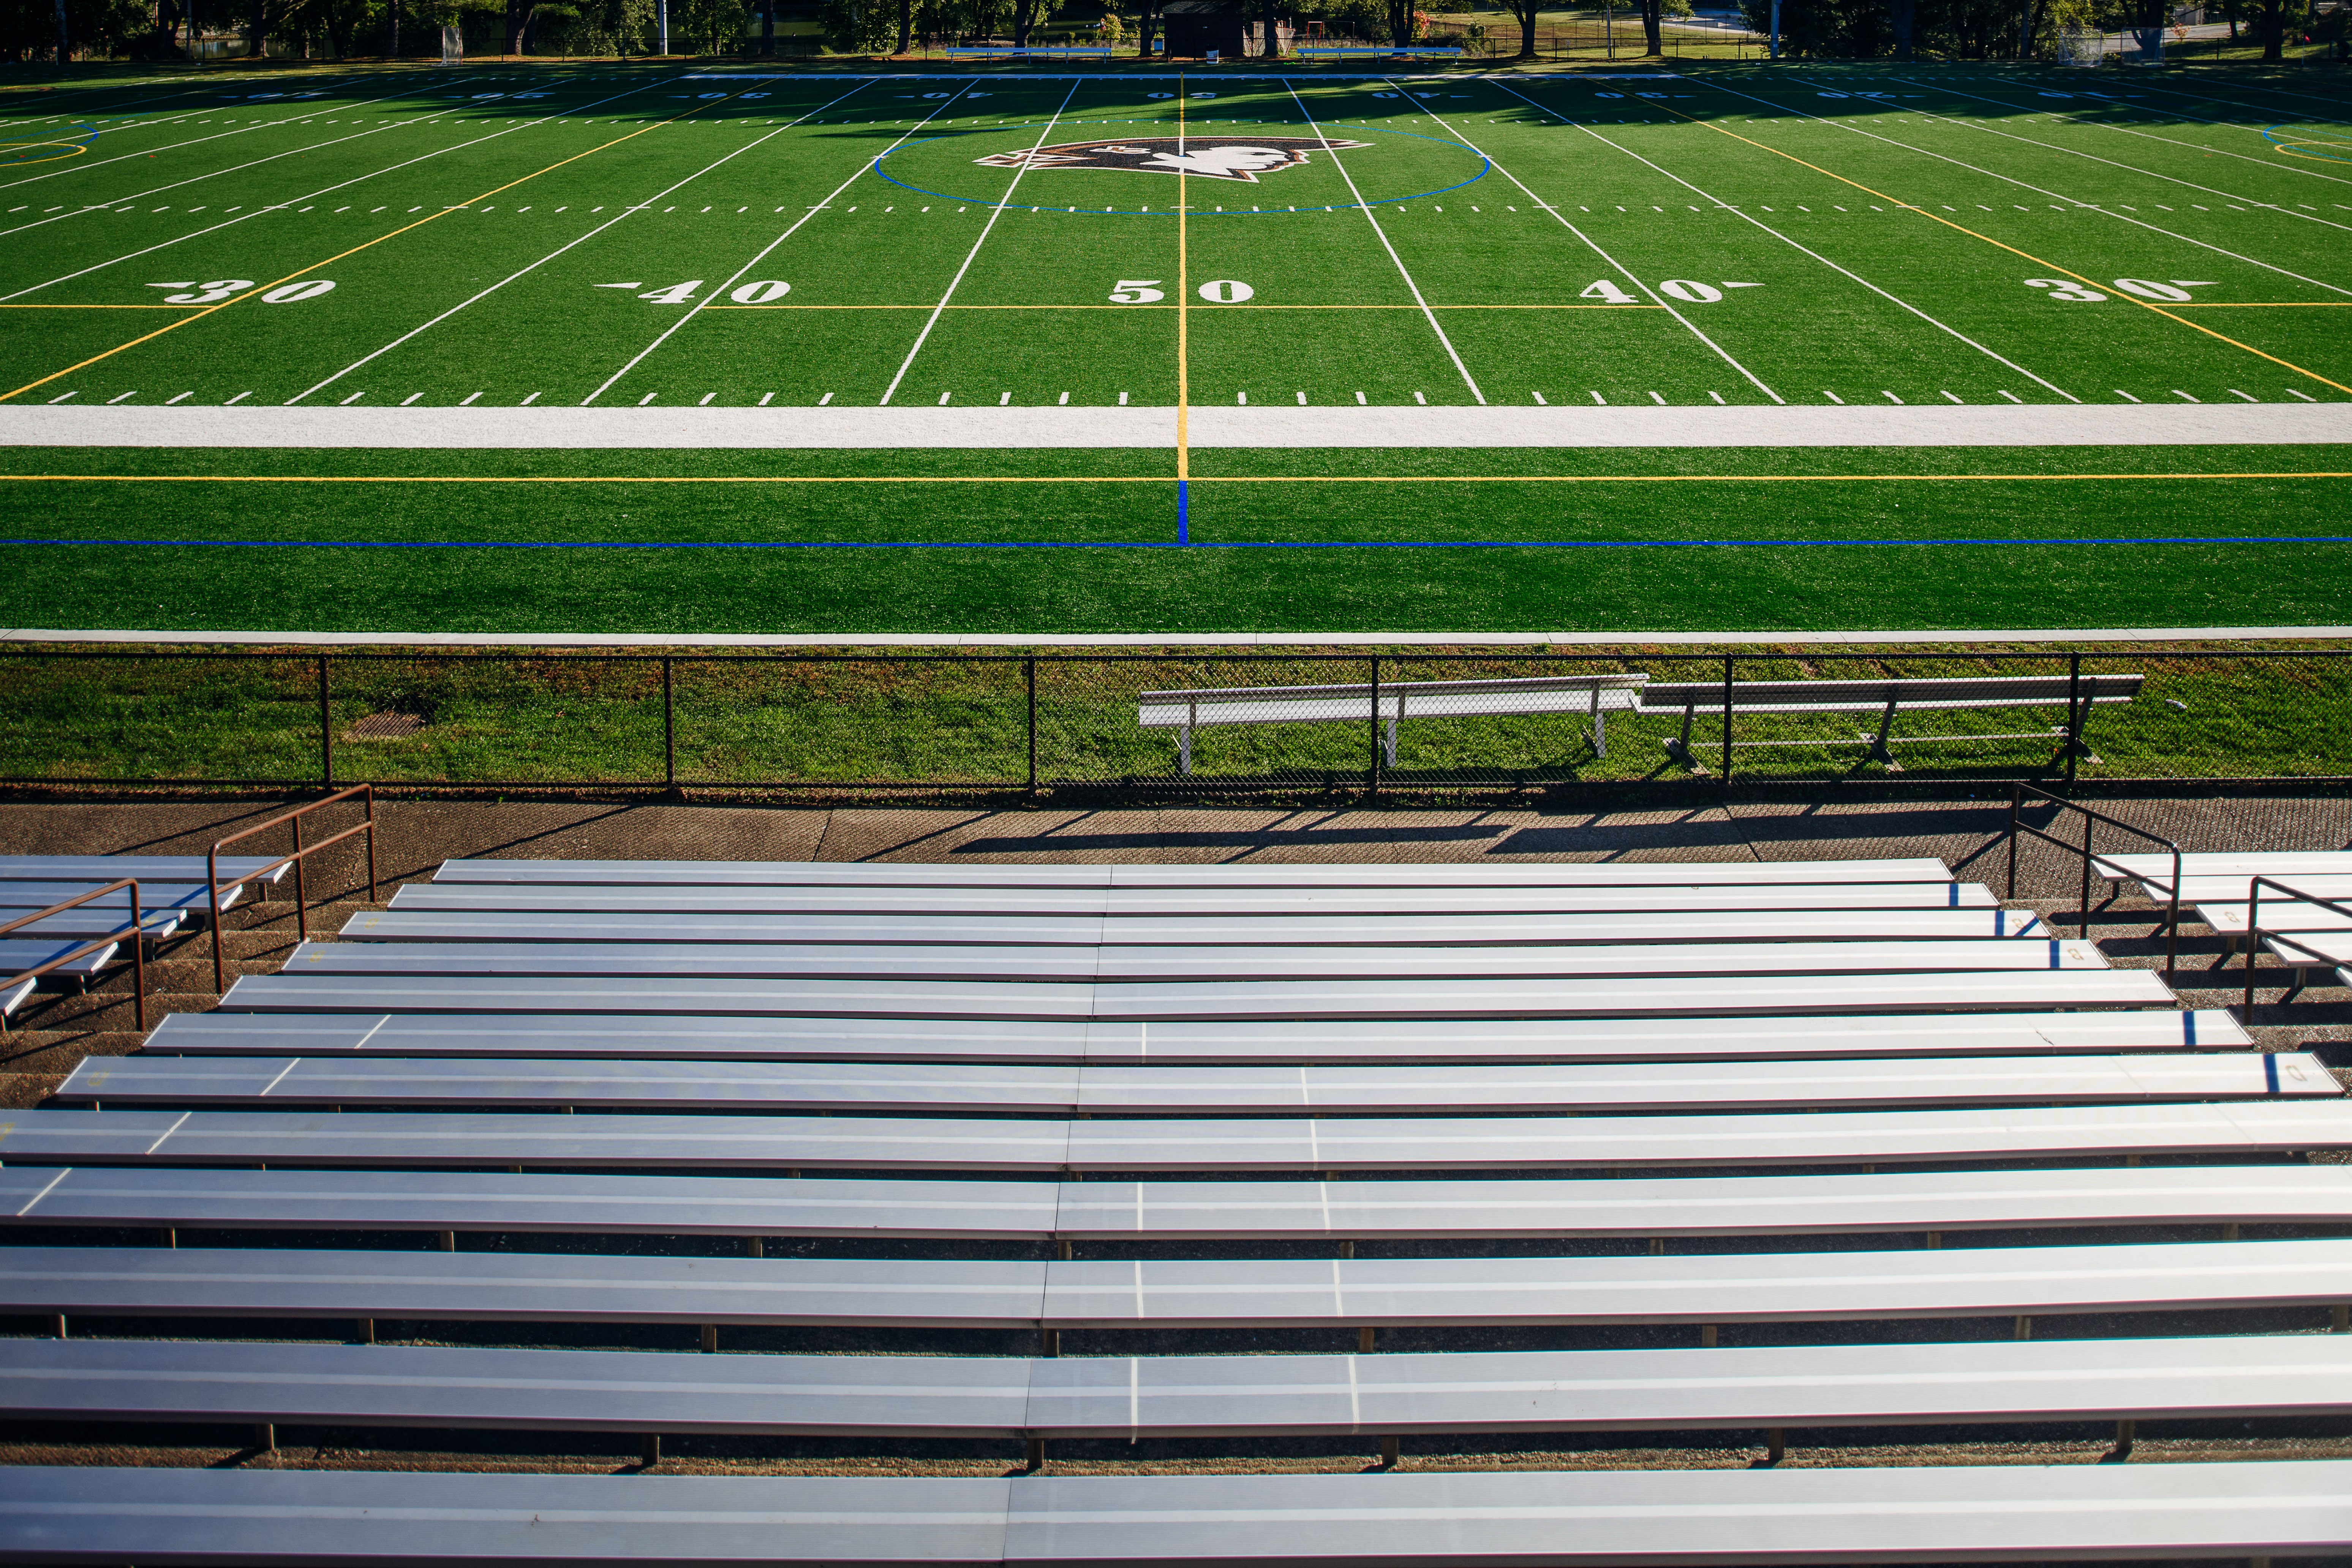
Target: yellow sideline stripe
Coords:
[[1972, 234], [1112, 479], [355, 249]]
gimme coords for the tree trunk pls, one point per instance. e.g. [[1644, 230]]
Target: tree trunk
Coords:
[[1527, 11], [2273, 32], [1143, 32], [1903, 13], [65, 47], [392, 12], [1024, 15], [1401, 22], [905, 25], [768, 28], [1652, 28]]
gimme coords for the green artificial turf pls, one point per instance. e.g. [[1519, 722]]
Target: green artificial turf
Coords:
[[1889, 218]]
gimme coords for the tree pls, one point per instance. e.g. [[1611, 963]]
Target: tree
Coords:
[[905, 25], [1653, 29], [2274, 30], [1024, 17], [1524, 12], [1272, 38], [1401, 22]]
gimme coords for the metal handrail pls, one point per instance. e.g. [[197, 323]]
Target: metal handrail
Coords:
[[2017, 794], [2254, 932], [302, 897], [138, 953]]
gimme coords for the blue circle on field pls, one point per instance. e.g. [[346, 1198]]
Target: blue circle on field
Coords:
[[1130, 212], [2327, 144]]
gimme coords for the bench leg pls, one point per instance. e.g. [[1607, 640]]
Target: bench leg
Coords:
[[1600, 728], [1878, 752], [1679, 747], [1388, 744], [1184, 751]]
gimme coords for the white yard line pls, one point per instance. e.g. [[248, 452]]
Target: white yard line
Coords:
[[624, 213], [1826, 261], [685, 427], [2038, 190], [196, 180], [985, 230], [2152, 84], [2255, 201], [770, 246], [1720, 351], [191, 142], [308, 196], [1381, 234]]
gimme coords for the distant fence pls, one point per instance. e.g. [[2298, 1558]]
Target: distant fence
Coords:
[[851, 721]]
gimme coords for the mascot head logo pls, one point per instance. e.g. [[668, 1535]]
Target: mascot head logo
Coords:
[[1242, 158]]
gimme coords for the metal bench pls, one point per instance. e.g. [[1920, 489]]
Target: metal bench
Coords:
[[1483, 873], [646, 1143], [2157, 869], [1893, 1285], [1387, 704], [91, 870], [1141, 903], [445, 1083], [912, 929], [1243, 964], [91, 1516], [429, 1033], [1940, 1202], [1886, 698], [178, 901], [2272, 1377], [1695, 995]]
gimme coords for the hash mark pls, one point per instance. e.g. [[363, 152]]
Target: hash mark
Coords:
[[354, 397], [648, 397], [825, 399]]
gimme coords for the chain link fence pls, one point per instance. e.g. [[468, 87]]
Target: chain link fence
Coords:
[[1169, 723]]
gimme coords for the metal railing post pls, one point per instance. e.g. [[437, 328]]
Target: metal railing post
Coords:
[[1372, 763], [326, 730], [2017, 825], [669, 728], [2016, 806], [2074, 716], [301, 853], [138, 952], [1030, 672], [1727, 721]]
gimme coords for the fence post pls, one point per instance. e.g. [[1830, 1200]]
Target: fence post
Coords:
[[1372, 763], [326, 730], [1031, 672], [1727, 721], [2074, 715]]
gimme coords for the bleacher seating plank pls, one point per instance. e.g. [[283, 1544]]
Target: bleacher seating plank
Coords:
[[100, 870], [2273, 1377], [1436, 1293], [1688, 995], [1263, 1143], [1182, 902], [951, 1088], [1949, 1202], [1483, 873], [1147, 965], [2287, 863], [17, 955], [190, 897], [1671, 1519], [435, 1034], [934, 929]]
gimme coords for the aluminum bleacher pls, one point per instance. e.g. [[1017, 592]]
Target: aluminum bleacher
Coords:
[[944, 1088], [1668, 1519], [94, 870], [2250, 1129], [1937, 1203], [981, 1060], [1160, 1293], [1062, 1397]]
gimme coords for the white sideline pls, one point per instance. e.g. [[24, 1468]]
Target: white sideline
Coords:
[[1624, 639], [549, 427]]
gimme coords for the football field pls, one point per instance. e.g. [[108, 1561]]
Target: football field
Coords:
[[733, 349]]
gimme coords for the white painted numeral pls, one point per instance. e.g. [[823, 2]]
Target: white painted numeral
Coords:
[[207, 293], [1225, 291], [1608, 294], [676, 294], [760, 293], [1692, 293], [2148, 289], [1137, 292], [2065, 288], [293, 291]]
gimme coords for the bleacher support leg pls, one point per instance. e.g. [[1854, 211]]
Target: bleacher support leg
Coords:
[[449, 1241], [1706, 1336], [169, 1238], [1934, 1241], [651, 1454], [1049, 1341], [2230, 1231], [1062, 1249], [265, 1439], [363, 1330], [2340, 1324], [2125, 1432], [1348, 1250], [710, 1339], [753, 1247], [1364, 1341], [2024, 1328], [1388, 1452], [1776, 1445], [1036, 1453]]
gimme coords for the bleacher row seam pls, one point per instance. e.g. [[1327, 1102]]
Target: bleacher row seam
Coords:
[[995, 1025]]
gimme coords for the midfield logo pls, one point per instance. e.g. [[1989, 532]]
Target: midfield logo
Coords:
[[1242, 158]]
